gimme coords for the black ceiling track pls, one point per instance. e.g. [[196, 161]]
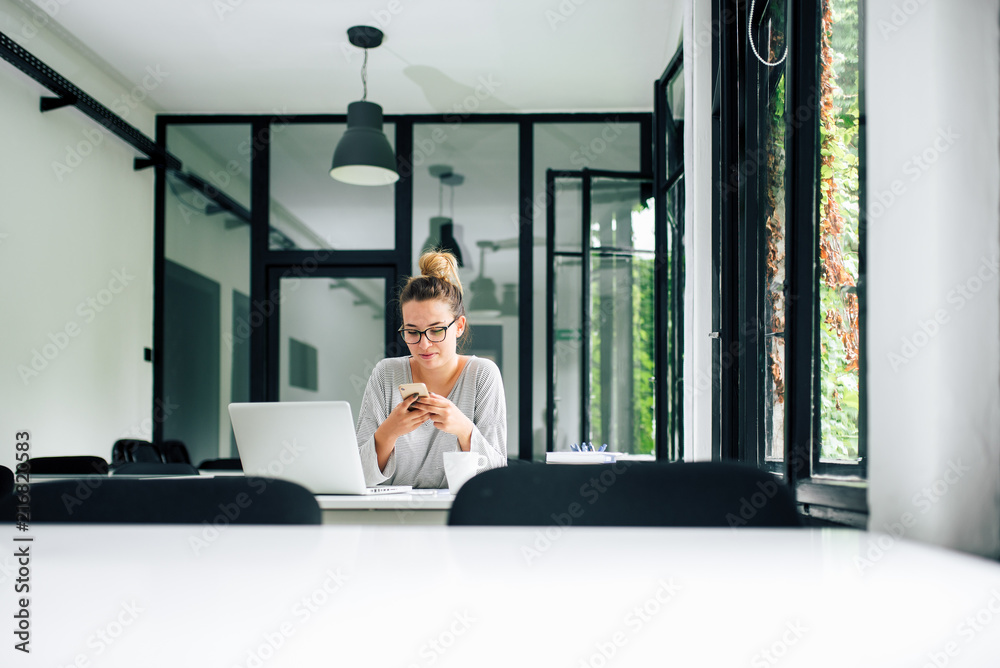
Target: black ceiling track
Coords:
[[67, 94]]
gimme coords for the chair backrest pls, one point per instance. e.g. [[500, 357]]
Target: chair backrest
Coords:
[[134, 450], [226, 500], [68, 465], [6, 481], [701, 494], [175, 451], [154, 468], [231, 464]]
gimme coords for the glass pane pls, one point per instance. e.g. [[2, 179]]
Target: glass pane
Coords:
[[217, 154], [774, 276], [622, 392], [309, 209], [612, 146], [207, 322], [466, 200], [332, 336], [672, 301], [838, 252], [569, 216], [568, 331], [675, 95]]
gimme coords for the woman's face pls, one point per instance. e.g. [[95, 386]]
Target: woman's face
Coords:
[[421, 315]]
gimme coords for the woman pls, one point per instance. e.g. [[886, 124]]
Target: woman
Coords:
[[403, 439]]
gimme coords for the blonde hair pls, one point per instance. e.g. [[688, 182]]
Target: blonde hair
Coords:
[[438, 280]]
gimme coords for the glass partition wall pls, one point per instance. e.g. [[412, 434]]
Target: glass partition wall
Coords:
[[205, 286], [276, 282]]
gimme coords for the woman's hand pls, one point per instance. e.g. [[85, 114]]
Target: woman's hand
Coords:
[[401, 421], [447, 418]]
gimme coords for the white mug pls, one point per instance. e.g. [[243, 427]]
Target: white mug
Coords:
[[460, 466]]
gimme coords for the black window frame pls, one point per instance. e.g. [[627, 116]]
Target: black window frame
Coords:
[[828, 491]]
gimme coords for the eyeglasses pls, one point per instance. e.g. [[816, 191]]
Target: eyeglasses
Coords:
[[433, 334]]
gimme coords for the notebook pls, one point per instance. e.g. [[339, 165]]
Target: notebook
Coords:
[[311, 443]]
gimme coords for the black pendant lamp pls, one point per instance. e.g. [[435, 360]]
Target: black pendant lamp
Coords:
[[363, 156]]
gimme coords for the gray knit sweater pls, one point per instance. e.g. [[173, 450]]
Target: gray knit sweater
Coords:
[[417, 458]]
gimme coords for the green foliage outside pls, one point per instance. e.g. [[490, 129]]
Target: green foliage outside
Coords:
[[641, 319], [839, 381]]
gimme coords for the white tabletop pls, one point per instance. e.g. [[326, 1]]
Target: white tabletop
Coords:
[[460, 596], [429, 499]]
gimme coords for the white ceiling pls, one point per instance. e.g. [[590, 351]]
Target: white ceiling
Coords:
[[266, 55]]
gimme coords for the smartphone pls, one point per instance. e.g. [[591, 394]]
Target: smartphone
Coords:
[[409, 389]]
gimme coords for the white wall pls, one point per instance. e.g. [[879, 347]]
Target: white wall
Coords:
[[698, 75], [65, 234], [934, 352], [349, 337]]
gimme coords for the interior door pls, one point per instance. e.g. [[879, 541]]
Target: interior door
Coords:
[[600, 311]]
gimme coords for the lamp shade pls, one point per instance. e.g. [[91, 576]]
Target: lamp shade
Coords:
[[363, 156], [484, 297]]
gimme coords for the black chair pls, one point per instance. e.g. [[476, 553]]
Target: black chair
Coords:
[[6, 481], [702, 494], [134, 450], [232, 464], [516, 461], [175, 451], [229, 499], [68, 465], [154, 468]]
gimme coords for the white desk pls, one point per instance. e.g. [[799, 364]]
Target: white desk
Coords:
[[268, 597], [420, 507]]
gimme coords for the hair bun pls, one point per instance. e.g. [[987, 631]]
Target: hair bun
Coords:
[[441, 265]]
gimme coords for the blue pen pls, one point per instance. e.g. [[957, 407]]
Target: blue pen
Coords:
[[603, 448], [573, 447]]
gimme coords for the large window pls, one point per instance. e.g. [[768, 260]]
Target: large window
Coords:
[[305, 304], [789, 298]]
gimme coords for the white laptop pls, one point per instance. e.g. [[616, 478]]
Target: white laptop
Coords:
[[311, 443]]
